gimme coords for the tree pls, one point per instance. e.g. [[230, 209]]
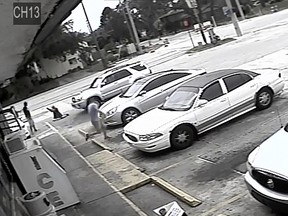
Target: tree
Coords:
[[62, 41], [113, 22]]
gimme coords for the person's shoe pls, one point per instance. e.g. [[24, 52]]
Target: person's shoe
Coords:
[[107, 137], [86, 136]]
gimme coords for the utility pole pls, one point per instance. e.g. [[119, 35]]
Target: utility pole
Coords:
[[94, 38], [240, 9], [139, 48], [194, 6], [234, 18]]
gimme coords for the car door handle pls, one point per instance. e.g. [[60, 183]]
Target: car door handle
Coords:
[[251, 86], [223, 100], [115, 83]]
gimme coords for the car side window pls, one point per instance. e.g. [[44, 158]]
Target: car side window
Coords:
[[212, 92], [235, 81], [109, 79], [122, 74], [160, 81], [151, 85], [170, 78]]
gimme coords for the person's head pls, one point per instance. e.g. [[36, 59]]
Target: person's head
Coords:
[[25, 104], [53, 107]]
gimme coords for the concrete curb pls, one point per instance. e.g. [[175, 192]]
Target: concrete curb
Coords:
[[103, 146], [186, 198], [135, 186]]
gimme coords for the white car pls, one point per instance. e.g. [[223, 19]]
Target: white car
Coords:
[[200, 105], [110, 84], [267, 175], [144, 95]]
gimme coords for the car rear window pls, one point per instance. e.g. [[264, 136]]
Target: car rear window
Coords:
[[139, 67]]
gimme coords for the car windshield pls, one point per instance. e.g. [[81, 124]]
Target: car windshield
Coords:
[[132, 90], [181, 99], [95, 82]]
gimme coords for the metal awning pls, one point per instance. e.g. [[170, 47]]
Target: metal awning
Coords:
[[18, 41]]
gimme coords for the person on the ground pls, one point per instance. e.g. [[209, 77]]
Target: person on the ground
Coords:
[[29, 117], [97, 119], [56, 113]]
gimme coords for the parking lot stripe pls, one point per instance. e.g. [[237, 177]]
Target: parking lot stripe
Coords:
[[221, 205], [181, 195], [129, 202], [205, 160]]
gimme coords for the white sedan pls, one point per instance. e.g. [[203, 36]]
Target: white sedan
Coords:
[[267, 176], [200, 105]]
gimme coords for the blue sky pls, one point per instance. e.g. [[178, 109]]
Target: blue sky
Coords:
[[94, 9]]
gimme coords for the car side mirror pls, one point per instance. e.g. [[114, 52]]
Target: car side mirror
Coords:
[[142, 93], [201, 102]]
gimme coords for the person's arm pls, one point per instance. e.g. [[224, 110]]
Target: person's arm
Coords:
[[49, 109]]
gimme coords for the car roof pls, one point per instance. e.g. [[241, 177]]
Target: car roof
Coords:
[[119, 67], [203, 80]]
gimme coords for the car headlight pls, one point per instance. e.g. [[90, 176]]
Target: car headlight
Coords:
[[251, 158], [249, 167], [148, 137], [111, 111], [76, 98]]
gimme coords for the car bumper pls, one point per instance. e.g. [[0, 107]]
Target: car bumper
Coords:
[[267, 197], [114, 119], [154, 145], [79, 105]]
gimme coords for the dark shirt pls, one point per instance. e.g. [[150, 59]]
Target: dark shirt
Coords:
[[27, 112], [56, 113]]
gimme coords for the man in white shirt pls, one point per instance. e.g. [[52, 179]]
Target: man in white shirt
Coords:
[[97, 119]]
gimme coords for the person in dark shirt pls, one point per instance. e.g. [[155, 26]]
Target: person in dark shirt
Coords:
[[29, 117], [56, 113]]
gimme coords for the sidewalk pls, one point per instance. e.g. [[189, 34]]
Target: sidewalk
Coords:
[[96, 194]]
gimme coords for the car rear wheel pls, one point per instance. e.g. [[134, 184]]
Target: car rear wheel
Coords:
[[182, 137], [264, 99], [129, 114]]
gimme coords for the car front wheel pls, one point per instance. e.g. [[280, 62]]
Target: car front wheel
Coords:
[[264, 99], [182, 137], [129, 114]]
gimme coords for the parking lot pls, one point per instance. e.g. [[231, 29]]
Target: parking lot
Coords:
[[211, 170]]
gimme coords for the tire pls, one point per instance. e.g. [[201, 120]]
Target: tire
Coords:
[[182, 137], [129, 114], [264, 98]]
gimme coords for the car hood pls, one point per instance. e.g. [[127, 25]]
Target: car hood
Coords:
[[88, 93], [272, 154], [153, 120], [114, 102]]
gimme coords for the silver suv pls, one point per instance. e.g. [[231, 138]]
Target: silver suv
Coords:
[[144, 95], [111, 83]]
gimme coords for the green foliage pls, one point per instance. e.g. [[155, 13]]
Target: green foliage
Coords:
[[63, 40]]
